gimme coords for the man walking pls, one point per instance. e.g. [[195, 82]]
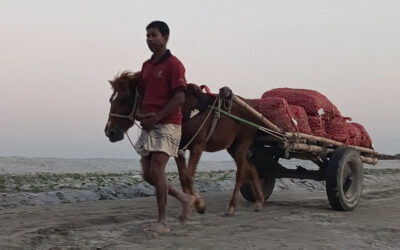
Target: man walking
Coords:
[[164, 84]]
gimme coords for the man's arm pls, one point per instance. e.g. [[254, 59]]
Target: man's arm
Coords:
[[151, 119]]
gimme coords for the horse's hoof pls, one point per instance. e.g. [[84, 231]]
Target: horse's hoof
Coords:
[[183, 218], [201, 210], [257, 207], [229, 213], [200, 206]]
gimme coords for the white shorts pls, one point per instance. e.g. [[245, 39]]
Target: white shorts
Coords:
[[162, 138]]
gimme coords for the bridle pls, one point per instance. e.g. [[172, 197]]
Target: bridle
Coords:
[[131, 115]]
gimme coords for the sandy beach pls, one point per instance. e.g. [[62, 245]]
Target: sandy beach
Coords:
[[111, 211]]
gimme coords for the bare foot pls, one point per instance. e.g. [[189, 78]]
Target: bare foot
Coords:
[[187, 208], [159, 227]]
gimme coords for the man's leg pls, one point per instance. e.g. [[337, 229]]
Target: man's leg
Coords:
[[157, 165], [158, 162]]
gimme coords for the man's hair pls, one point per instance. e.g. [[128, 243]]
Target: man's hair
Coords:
[[160, 25]]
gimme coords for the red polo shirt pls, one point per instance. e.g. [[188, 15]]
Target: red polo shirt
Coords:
[[160, 81]]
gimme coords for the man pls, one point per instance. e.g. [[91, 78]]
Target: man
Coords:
[[164, 84]]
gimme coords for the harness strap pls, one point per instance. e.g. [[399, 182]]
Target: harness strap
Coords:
[[278, 135], [131, 115], [182, 150], [217, 115]]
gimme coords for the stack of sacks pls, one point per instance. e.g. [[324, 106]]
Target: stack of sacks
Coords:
[[313, 102], [310, 112]]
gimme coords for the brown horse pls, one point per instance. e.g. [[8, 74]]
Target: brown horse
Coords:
[[228, 134]]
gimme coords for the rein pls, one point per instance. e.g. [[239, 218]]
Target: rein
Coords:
[[212, 108]]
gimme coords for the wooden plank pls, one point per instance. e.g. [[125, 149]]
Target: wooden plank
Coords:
[[328, 141], [318, 149]]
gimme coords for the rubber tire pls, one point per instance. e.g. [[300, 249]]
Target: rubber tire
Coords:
[[344, 196], [267, 186]]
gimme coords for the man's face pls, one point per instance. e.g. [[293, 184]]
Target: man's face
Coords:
[[155, 40]]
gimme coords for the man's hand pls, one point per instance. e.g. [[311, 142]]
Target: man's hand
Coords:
[[149, 120]]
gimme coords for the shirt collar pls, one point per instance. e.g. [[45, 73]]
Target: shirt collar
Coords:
[[163, 58]]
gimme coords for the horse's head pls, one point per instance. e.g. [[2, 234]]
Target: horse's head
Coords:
[[124, 102]]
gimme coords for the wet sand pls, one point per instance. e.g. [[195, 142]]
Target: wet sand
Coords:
[[290, 220]]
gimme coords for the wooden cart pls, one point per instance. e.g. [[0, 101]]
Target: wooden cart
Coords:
[[340, 165]]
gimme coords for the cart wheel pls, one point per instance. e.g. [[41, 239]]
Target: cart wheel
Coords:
[[267, 186], [344, 179]]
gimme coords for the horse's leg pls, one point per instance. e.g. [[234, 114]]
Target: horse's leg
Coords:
[[194, 158], [254, 179], [244, 169], [182, 171], [232, 204]]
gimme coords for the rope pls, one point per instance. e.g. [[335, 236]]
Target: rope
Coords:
[[131, 115], [182, 150], [126, 133], [217, 115], [264, 129]]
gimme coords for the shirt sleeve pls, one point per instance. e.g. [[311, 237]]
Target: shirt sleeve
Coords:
[[177, 80]]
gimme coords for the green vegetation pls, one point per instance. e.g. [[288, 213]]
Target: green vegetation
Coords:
[[51, 182], [44, 182]]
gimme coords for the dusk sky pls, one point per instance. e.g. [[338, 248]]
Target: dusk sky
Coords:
[[56, 58]]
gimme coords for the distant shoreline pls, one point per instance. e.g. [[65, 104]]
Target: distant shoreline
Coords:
[[390, 157]]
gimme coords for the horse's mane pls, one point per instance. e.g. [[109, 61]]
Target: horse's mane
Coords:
[[124, 78]]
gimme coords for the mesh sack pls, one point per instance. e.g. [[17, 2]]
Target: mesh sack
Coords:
[[300, 115], [354, 134], [317, 126], [336, 129], [277, 111], [366, 141]]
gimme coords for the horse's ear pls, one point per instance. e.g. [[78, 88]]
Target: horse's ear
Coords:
[[137, 74], [110, 82]]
